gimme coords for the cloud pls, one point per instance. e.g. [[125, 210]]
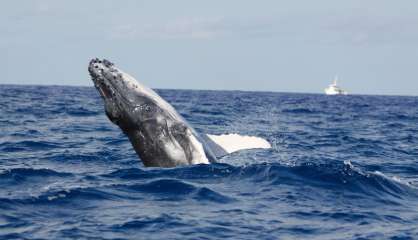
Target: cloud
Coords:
[[350, 30], [181, 28], [43, 7], [198, 28], [362, 29]]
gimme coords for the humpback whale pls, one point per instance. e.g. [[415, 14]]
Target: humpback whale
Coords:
[[158, 133]]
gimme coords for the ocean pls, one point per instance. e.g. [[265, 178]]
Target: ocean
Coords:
[[340, 167]]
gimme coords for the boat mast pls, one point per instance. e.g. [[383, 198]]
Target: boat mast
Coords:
[[335, 80]]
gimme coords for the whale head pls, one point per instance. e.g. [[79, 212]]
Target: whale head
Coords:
[[159, 135], [127, 102]]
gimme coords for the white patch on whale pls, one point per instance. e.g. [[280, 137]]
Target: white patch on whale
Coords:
[[199, 156], [235, 142]]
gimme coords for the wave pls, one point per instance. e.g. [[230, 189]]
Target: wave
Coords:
[[154, 223], [174, 189], [333, 175], [183, 182], [160, 189], [23, 173], [80, 112], [300, 111], [28, 145]]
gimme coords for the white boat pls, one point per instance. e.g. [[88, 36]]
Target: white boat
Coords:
[[334, 89]]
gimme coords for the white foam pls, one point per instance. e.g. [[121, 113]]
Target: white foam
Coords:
[[234, 142], [393, 178]]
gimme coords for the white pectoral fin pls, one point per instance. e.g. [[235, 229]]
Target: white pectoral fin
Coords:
[[235, 142]]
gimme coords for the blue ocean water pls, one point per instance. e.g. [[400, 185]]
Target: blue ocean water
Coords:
[[343, 167]]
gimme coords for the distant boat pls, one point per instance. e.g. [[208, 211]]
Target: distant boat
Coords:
[[334, 89]]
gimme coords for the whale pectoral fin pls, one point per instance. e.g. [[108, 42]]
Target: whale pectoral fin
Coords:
[[224, 144], [214, 148]]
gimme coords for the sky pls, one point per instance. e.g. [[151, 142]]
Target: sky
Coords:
[[269, 45]]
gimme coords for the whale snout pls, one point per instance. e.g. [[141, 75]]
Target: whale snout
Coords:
[[97, 67], [110, 81], [99, 71], [105, 62]]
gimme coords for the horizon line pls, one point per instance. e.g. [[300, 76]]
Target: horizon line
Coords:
[[199, 89]]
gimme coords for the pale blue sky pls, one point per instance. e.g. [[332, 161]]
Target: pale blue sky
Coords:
[[295, 46]]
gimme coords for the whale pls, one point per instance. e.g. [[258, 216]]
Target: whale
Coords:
[[160, 136]]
